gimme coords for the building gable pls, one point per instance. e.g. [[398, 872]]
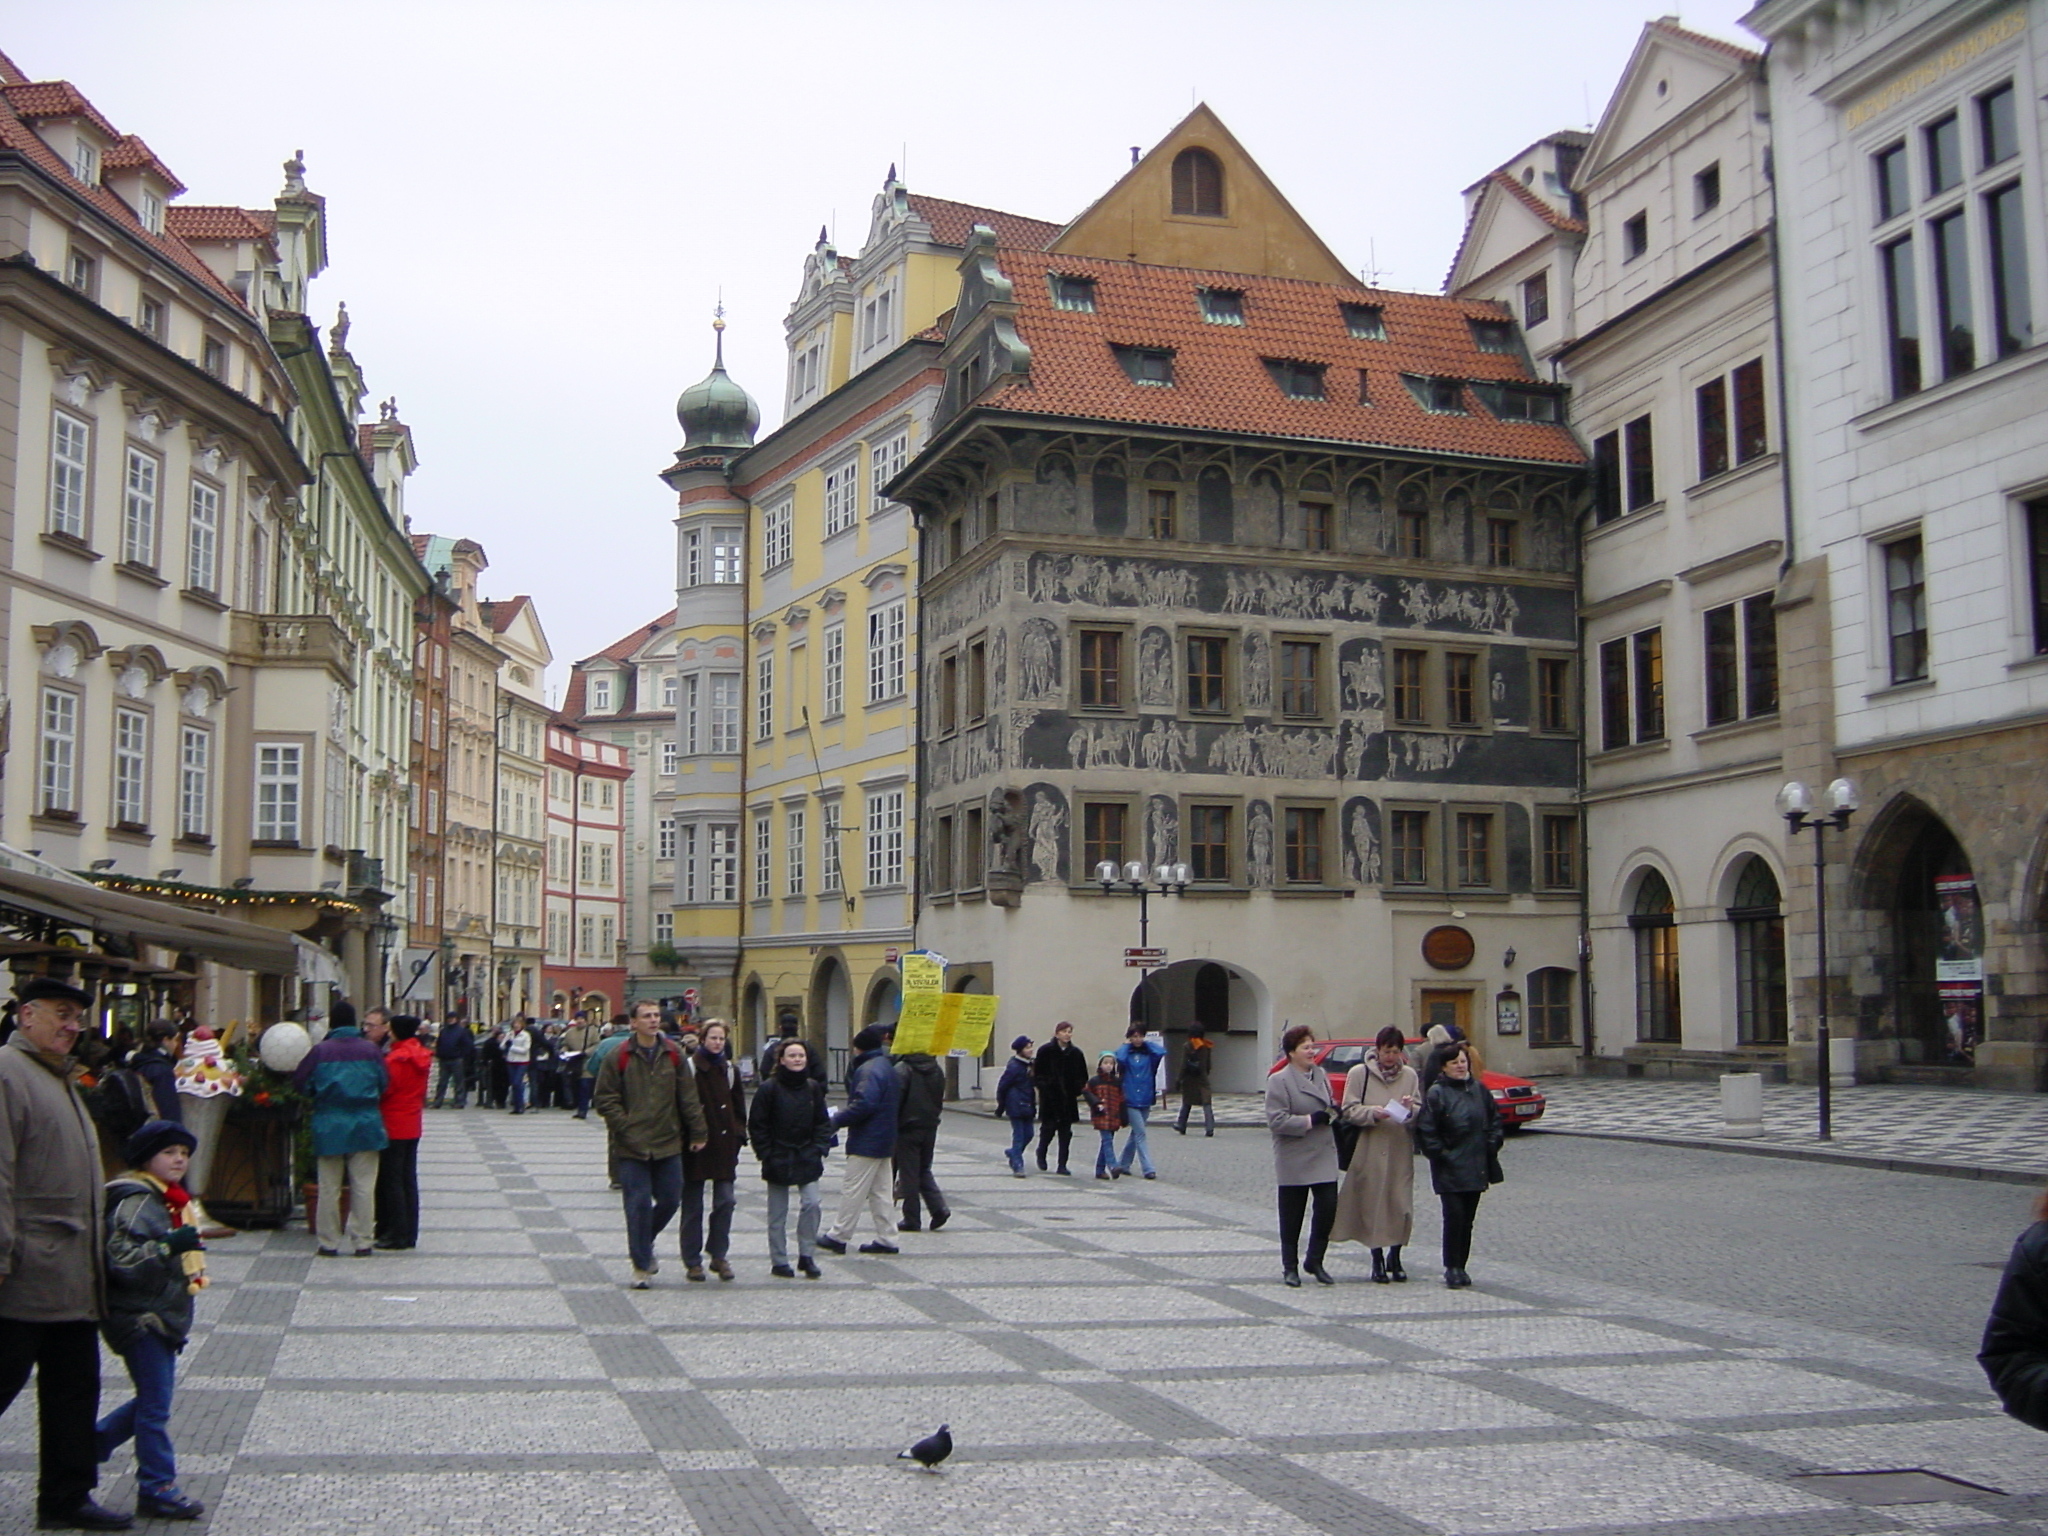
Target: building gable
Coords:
[[1671, 71]]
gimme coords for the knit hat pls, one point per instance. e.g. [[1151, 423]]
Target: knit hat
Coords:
[[1020, 1042], [343, 1015], [154, 1137], [869, 1039]]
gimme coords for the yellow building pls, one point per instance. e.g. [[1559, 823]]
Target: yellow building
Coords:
[[795, 655]]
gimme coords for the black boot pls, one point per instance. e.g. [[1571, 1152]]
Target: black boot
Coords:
[[1394, 1269], [1379, 1267]]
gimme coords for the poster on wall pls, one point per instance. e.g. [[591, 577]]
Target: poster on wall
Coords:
[[1962, 1020], [1962, 930]]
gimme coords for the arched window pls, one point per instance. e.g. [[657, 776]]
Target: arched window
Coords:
[[1656, 942], [1759, 919], [1198, 184]]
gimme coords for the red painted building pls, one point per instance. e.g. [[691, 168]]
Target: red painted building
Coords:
[[583, 886]]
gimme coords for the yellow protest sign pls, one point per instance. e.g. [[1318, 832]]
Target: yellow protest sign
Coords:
[[915, 1023]]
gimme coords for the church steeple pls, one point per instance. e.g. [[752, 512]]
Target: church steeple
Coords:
[[716, 414]]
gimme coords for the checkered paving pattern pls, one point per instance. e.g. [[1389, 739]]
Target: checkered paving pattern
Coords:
[[1935, 1128], [1111, 1357]]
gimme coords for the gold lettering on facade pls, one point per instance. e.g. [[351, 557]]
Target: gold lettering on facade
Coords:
[[1959, 55]]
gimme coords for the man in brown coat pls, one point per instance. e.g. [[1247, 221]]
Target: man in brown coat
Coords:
[[52, 1276], [647, 1097]]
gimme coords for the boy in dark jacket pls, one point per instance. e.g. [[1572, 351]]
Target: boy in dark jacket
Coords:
[[917, 1138], [1016, 1101], [155, 1266], [874, 1101]]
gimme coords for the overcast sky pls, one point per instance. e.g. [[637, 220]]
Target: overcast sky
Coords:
[[533, 207]]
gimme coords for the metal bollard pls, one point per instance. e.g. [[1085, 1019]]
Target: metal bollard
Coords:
[[1742, 1104]]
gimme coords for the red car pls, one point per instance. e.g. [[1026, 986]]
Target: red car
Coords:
[[1514, 1098]]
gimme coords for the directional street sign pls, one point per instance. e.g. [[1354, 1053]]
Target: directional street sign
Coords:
[[1145, 957]]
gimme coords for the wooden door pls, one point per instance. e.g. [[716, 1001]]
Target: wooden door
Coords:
[[1447, 1008]]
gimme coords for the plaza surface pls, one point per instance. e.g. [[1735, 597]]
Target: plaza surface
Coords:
[[1111, 1358]]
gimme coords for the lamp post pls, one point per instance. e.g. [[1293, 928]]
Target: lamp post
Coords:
[[1795, 804], [1161, 879]]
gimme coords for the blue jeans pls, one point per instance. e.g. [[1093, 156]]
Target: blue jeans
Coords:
[[455, 1076], [1020, 1138], [651, 1190], [585, 1086], [810, 1213], [1105, 1157], [1135, 1146], [724, 1196], [145, 1418], [517, 1070]]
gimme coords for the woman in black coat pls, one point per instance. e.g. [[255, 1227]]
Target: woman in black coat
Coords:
[[790, 1130], [2015, 1350], [1461, 1136], [717, 1162]]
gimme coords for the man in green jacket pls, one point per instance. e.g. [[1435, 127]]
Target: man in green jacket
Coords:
[[647, 1098], [344, 1077]]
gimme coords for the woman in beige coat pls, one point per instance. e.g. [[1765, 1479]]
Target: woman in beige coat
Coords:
[[1377, 1204]]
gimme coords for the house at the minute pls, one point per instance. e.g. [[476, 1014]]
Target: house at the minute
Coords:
[[1227, 561]]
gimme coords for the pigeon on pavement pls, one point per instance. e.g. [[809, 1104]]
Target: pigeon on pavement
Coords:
[[931, 1450]]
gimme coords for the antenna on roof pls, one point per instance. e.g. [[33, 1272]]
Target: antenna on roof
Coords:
[[1370, 274], [1586, 100], [1134, 154]]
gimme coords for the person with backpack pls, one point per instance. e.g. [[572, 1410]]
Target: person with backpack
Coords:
[[923, 1083], [156, 1064], [647, 1097]]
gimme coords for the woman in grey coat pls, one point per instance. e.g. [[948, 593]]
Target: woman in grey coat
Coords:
[[1298, 1113]]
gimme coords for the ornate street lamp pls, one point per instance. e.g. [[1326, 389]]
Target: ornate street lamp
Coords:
[[1161, 880], [1795, 804]]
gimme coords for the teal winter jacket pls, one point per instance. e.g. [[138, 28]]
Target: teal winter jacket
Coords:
[[344, 1077]]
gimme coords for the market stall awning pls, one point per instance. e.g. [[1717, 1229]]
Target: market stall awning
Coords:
[[79, 903]]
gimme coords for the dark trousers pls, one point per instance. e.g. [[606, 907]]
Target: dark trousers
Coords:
[[1294, 1204], [915, 1185], [1460, 1211], [1208, 1113], [1047, 1130], [454, 1074], [724, 1196], [398, 1193], [651, 1191], [66, 1360]]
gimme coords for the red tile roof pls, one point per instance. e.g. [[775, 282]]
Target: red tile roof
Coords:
[[206, 221], [1734, 50], [1521, 194], [950, 223], [10, 72], [573, 696], [55, 98], [500, 612], [1220, 382], [131, 152]]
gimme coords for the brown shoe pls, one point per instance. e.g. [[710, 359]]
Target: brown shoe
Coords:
[[721, 1269], [693, 1272]]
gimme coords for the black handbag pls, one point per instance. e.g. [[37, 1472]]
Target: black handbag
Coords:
[[1347, 1140]]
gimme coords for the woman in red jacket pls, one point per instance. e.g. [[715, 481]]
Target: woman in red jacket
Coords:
[[406, 1065]]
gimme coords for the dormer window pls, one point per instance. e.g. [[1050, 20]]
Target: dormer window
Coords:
[[82, 272], [152, 212], [1221, 306], [1297, 381], [1493, 335], [600, 693], [1197, 185], [1076, 293], [1368, 322], [1518, 402], [1147, 365], [1440, 397], [85, 161], [213, 357], [149, 317]]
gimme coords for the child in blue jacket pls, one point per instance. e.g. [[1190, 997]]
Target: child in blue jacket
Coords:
[[1017, 1100]]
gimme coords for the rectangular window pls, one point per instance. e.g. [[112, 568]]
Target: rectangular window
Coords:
[[2037, 569], [1752, 425], [842, 496], [1648, 658], [1461, 688], [82, 272], [885, 652], [974, 703], [213, 356], [202, 548], [195, 782], [1147, 365], [775, 535], [664, 928], [1500, 542], [940, 870], [1302, 841], [948, 686], [671, 753], [725, 556], [1407, 847], [1208, 686], [58, 753], [885, 838], [1706, 190], [138, 509], [586, 863], [834, 680], [1301, 679], [665, 838], [1222, 306], [1635, 236], [85, 161], [1554, 694], [1076, 293], [885, 462], [1712, 401], [722, 861], [1100, 670], [1317, 519], [1724, 666], [1632, 689], [150, 317], [1367, 322], [1997, 126], [2012, 310], [1474, 849], [764, 849], [1411, 535], [1535, 300], [131, 768], [725, 712], [1209, 842], [829, 878], [1951, 242], [1905, 592], [764, 697], [1492, 335], [280, 791], [1944, 154], [973, 848], [70, 454], [1901, 316], [1411, 703], [1640, 462], [1104, 834], [1560, 864], [1550, 1007], [606, 866], [670, 693], [1894, 194], [1607, 477], [1297, 381], [1760, 654], [689, 716], [794, 854], [1161, 517]]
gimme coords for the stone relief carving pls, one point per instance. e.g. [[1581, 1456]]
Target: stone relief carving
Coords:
[[1103, 744], [1415, 754], [1048, 833], [1488, 610], [998, 670], [1258, 672], [971, 601], [1362, 842], [1162, 829], [1155, 668], [1007, 832], [1165, 746], [1259, 863], [1038, 659], [1110, 583], [1264, 751], [1364, 678]]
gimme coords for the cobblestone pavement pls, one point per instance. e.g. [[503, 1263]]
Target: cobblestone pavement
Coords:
[[1111, 1358], [1935, 1130]]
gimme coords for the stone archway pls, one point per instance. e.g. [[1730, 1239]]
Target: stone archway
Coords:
[[1231, 1002], [1918, 918], [831, 1005]]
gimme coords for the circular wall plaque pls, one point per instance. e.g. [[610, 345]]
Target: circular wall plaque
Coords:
[[1447, 948]]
